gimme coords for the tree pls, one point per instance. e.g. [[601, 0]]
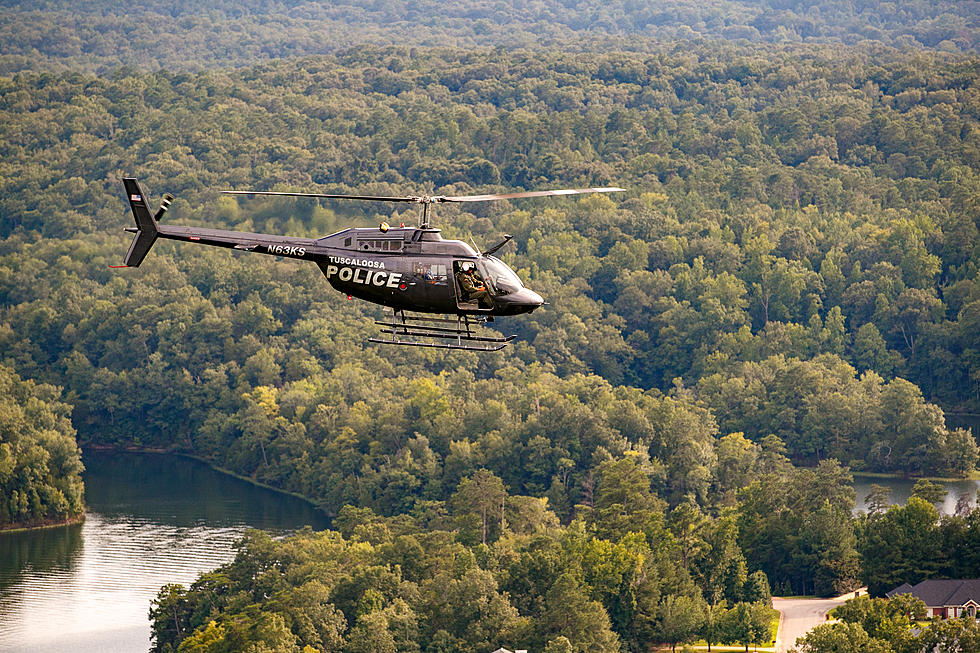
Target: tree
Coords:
[[756, 589], [841, 638], [167, 612], [912, 312], [877, 499], [749, 623], [827, 551], [40, 463], [624, 502], [888, 620], [929, 492], [371, 633], [737, 460], [680, 618], [713, 624], [568, 612], [952, 635], [720, 563], [470, 608], [901, 546], [961, 453], [559, 644], [483, 492]]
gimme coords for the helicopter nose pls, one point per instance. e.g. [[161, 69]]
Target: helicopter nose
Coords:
[[531, 298], [523, 301]]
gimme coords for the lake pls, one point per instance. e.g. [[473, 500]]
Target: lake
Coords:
[[901, 490], [151, 520]]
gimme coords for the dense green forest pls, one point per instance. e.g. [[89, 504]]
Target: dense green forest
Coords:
[[620, 578], [797, 253], [623, 574], [101, 35], [788, 291], [40, 464]]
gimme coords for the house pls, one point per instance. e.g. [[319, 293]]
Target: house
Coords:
[[946, 599]]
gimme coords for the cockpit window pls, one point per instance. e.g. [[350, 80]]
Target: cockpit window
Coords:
[[500, 277]]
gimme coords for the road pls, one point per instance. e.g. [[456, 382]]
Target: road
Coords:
[[798, 616]]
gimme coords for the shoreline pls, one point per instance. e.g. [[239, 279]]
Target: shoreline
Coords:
[[21, 527], [103, 448]]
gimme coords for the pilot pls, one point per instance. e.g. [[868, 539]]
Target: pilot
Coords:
[[472, 284]]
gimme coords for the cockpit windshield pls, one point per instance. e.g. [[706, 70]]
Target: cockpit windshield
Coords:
[[500, 277]]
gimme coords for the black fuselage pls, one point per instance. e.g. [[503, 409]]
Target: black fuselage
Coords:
[[402, 268]]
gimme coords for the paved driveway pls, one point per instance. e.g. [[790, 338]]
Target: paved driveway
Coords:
[[798, 616]]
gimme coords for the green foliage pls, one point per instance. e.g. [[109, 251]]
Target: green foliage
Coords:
[[681, 619], [40, 464], [884, 626], [795, 526], [883, 619], [749, 623], [824, 410], [841, 638], [695, 276], [103, 36], [901, 546]]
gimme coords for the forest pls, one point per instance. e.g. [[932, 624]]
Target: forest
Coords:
[[101, 35], [787, 292]]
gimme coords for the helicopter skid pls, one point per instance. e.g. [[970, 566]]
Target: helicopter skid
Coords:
[[406, 329], [437, 345]]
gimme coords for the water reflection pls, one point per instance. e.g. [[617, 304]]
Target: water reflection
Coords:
[[48, 550], [152, 520], [901, 490]]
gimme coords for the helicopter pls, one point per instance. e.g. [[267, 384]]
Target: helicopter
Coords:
[[438, 290]]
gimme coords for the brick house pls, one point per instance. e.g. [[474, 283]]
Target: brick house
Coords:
[[946, 599]]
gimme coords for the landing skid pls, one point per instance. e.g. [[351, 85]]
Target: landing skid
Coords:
[[405, 329]]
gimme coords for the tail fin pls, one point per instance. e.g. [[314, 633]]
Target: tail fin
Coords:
[[146, 233]]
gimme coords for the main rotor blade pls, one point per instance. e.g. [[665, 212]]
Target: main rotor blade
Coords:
[[535, 193], [374, 198], [431, 199]]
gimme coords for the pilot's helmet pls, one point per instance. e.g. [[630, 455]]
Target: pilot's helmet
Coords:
[[467, 267]]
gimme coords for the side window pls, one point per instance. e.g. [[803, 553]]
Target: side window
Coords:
[[434, 274], [380, 245]]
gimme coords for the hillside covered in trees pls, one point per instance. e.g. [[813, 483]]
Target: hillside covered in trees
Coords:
[[798, 247], [788, 291]]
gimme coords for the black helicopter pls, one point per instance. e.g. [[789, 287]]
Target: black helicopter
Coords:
[[407, 269]]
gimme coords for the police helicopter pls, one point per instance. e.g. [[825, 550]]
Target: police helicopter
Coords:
[[413, 271]]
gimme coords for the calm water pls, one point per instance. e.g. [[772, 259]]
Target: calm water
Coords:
[[901, 490], [152, 520]]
